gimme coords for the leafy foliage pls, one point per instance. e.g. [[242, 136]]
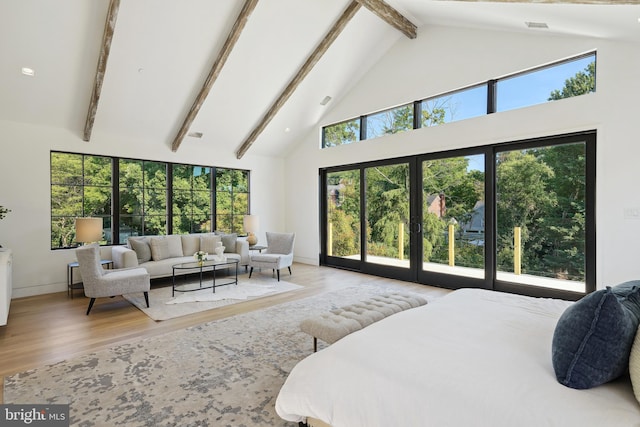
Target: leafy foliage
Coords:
[[541, 190], [582, 83], [81, 185]]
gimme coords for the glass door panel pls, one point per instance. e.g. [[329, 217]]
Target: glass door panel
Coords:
[[387, 215], [453, 216], [343, 214], [541, 213]]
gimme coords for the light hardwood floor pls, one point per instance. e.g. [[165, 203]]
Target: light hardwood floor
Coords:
[[46, 329]]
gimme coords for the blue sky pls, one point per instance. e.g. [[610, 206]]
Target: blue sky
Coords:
[[521, 90]]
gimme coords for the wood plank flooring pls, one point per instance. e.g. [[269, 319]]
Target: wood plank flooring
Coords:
[[49, 328]]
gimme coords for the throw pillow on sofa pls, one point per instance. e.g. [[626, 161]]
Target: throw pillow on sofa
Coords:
[[190, 244], [208, 243], [159, 248], [229, 242], [141, 247], [592, 340], [175, 246]]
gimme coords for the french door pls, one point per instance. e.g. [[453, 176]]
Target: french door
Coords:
[[517, 217]]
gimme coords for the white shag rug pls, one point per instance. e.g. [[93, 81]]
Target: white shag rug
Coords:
[[163, 306]]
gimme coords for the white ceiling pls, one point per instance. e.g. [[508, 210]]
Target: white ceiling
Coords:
[[162, 51]]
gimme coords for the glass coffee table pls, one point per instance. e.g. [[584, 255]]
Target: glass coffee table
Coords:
[[210, 266]]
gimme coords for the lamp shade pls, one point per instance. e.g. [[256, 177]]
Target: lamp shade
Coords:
[[251, 223], [88, 230]]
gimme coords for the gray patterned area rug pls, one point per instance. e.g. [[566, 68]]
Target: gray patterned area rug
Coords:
[[163, 305], [223, 373]]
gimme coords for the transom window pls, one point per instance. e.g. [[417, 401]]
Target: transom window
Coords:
[[564, 79]]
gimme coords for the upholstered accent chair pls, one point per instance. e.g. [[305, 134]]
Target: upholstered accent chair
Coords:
[[279, 253], [99, 282]]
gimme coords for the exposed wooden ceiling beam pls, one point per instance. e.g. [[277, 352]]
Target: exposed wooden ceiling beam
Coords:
[[311, 61], [107, 37], [232, 38], [391, 16], [612, 2]]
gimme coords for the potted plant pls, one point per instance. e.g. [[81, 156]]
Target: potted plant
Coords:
[[3, 211]]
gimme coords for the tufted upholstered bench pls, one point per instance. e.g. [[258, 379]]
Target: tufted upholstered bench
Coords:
[[338, 323]]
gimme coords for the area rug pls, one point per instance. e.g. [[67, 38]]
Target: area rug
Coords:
[[223, 373], [164, 306]]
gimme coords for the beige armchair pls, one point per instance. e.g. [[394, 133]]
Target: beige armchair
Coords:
[[279, 253], [99, 282]]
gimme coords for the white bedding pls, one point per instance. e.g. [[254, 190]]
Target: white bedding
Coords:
[[471, 358]]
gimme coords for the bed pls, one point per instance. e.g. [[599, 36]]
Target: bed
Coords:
[[471, 358]]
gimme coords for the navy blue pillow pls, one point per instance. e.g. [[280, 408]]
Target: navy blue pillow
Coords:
[[592, 340], [629, 294]]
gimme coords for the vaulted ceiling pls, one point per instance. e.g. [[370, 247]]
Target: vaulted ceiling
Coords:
[[248, 75]]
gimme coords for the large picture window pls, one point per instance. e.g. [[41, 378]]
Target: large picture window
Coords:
[[192, 199], [81, 185], [141, 197], [232, 199], [517, 217]]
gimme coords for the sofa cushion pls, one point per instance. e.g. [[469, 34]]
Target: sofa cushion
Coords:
[[159, 248], [229, 242], [190, 244], [208, 243], [592, 340], [175, 246], [141, 247]]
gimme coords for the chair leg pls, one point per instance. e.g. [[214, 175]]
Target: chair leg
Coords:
[[278, 271], [90, 305], [250, 272], [146, 298], [289, 270]]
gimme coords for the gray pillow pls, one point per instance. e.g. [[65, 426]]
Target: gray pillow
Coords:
[[592, 340], [627, 293], [175, 246], [208, 243], [141, 247], [159, 248], [229, 242], [190, 244]]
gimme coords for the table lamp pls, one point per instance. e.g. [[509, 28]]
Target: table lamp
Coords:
[[251, 226]]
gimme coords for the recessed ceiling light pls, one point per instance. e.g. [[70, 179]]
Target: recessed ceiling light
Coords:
[[195, 134], [286, 130], [325, 100], [28, 71], [536, 24]]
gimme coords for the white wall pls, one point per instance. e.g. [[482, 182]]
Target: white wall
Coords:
[[285, 193], [442, 59], [25, 189]]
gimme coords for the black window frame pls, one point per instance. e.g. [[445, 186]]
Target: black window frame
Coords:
[[492, 98], [589, 137], [115, 199]]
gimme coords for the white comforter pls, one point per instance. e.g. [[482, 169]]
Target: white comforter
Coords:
[[471, 358]]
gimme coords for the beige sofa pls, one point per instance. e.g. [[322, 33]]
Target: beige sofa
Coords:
[[158, 254]]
